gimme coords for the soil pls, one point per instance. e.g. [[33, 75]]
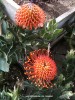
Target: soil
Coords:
[[54, 8]]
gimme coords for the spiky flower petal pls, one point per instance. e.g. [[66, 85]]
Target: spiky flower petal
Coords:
[[40, 68], [30, 16]]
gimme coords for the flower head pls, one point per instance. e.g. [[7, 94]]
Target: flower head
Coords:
[[30, 16], [40, 68]]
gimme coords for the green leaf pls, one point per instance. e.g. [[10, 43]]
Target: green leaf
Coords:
[[4, 26], [51, 31], [27, 84], [70, 54], [56, 33], [66, 95], [61, 78], [73, 32], [2, 38], [4, 66], [1, 15], [14, 95], [52, 25]]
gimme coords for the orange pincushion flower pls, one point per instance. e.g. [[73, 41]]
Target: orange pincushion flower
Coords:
[[30, 16], [40, 68]]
